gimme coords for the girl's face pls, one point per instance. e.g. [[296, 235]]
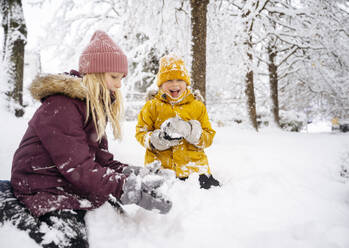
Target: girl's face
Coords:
[[113, 80], [174, 88]]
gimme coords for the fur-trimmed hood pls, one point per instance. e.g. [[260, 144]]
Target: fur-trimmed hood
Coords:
[[52, 84]]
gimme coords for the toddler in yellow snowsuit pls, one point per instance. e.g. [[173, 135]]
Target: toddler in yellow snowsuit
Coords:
[[174, 126]]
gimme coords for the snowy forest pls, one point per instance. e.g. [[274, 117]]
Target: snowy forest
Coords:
[[261, 62], [274, 75]]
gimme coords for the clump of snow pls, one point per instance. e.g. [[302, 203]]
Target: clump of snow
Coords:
[[85, 203], [171, 131]]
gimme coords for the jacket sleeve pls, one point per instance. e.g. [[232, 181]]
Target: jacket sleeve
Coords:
[[59, 125], [106, 159], [208, 133], [145, 125]]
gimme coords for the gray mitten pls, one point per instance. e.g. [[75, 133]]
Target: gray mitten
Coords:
[[136, 170], [177, 127], [159, 142], [142, 192], [153, 168]]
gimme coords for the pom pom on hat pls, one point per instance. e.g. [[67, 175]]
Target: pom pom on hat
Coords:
[[172, 67], [102, 55]]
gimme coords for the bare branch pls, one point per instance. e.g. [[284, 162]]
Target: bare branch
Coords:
[[289, 55]]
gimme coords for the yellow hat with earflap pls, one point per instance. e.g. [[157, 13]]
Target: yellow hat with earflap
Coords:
[[172, 67]]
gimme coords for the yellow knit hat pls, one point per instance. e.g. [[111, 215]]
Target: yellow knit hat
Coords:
[[172, 67]]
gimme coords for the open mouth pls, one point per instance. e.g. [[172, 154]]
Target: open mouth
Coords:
[[175, 93]]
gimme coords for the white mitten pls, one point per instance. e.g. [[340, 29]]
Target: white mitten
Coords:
[[195, 133], [160, 142], [177, 127]]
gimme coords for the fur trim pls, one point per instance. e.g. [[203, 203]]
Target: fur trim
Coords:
[[198, 96], [51, 84], [152, 93]]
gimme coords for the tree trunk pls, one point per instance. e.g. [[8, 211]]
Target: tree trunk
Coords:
[[199, 29], [273, 80], [249, 91], [15, 34]]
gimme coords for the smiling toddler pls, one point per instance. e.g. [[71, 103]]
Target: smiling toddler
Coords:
[[174, 126]]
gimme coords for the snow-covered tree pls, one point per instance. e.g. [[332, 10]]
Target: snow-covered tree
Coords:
[[319, 79], [283, 37], [286, 36], [15, 34], [250, 11]]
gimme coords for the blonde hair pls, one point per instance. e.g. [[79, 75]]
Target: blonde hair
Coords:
[[103, 104]]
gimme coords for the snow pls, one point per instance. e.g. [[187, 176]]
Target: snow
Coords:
[[320, 127], [279, 189]]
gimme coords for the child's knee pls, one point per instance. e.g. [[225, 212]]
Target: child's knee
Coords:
[[10, 208]]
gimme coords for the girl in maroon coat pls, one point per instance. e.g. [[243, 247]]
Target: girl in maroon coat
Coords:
[[62, 166]]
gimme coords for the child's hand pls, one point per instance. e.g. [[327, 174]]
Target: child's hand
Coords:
[[136, 170], [177, 127], [142, 191], [160, 142], [153, 168]]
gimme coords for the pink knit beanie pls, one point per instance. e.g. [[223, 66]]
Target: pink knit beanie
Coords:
[[102, 55]]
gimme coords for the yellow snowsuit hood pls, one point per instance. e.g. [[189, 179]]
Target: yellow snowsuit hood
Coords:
[[184, 158]]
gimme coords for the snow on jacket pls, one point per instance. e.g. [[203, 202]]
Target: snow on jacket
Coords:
[[184, 158], [59, 164]]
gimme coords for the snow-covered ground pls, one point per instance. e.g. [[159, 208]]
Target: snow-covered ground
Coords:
[[279, 189]]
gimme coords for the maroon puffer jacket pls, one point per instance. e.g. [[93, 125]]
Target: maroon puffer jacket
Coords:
[[59, 164]]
